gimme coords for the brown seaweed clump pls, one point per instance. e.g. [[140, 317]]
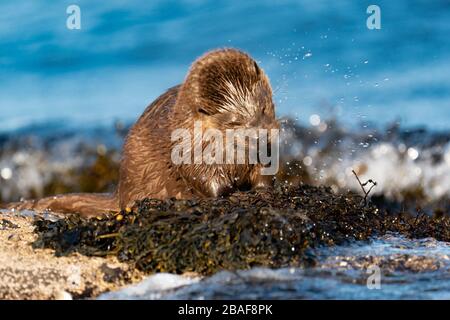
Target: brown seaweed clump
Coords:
[[271, 228]]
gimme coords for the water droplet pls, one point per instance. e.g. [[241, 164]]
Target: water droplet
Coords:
[[6, 173], [413, 153], [314, 120], [307, 161]]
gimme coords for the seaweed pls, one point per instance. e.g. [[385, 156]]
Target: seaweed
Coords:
[[274, 228]]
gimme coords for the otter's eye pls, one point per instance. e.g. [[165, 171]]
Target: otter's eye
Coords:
[[201, 110]]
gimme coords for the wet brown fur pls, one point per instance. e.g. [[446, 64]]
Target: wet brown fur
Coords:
[[225, 89]]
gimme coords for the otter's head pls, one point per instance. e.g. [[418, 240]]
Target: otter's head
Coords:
[[226, 89]]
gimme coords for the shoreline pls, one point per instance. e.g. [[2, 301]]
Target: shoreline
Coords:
[[35, 264]]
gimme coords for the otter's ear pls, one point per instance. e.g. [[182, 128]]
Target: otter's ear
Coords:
[[223, 80]]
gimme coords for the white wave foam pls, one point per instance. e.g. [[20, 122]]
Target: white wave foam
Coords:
[[152, 287]]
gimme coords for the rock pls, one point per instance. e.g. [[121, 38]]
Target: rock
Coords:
[[28, 273]]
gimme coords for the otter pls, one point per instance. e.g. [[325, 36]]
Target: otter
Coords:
[[224, 89]]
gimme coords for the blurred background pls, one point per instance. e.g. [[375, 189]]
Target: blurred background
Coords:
[[66, 94]]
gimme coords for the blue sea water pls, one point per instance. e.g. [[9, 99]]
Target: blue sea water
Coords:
[[320, 56]]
